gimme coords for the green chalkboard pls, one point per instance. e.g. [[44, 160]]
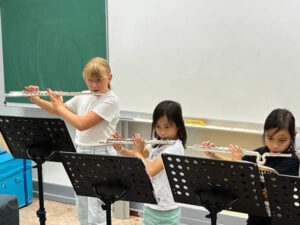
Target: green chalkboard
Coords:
[[48, 42]]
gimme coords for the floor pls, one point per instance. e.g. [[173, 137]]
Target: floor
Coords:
[[58, 213]]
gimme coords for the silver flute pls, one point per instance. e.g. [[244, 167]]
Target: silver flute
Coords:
[[129, 141], [45, 93], [260, 159]]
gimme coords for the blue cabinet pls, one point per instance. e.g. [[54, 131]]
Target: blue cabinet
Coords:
[[16, 178]]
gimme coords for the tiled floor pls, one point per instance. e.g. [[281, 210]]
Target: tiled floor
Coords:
[[61, 214]]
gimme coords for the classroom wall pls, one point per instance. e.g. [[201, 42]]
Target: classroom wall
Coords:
[[197, 135], [54, 172], [232, 60]]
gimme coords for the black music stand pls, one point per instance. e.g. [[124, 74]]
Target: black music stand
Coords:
[[109, 178], [38, 139], [215, 184], [284, 198]]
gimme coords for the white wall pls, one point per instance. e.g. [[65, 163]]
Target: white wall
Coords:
[[139, 53], [232, 60]]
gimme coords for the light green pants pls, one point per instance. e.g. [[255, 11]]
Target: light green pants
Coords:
[[157, 217]]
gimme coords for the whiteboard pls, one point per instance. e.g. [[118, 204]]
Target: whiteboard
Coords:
[[231, 60]]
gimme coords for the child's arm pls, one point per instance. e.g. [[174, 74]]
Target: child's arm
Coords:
[[124, 151], [83, 122], [152, 167], [45, 105], [235, 150], [213, 155]]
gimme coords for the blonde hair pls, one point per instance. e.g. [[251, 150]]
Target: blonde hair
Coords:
[[96, 68]]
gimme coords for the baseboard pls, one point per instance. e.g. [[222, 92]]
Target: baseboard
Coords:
[[56, 192], [190, 215]]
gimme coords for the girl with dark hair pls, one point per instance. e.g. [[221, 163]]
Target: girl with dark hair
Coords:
[[278, 137], [168, 124]]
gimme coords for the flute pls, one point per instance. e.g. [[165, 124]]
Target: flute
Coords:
[[45, 93], [260, 159], [130, 141]]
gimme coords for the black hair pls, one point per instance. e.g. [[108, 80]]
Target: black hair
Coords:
[[172, 110], [280, 119]]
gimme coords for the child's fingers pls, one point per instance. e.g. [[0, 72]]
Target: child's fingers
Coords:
[[235, 148], [50, 93], [137, 137], [236, 152], [210, 144], [31, 88], [117, 136], [203, 143], [207, 144], [118, 147], [210, 154]]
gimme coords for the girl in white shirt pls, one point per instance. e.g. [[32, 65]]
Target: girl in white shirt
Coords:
[[168, 124], [95, 118]]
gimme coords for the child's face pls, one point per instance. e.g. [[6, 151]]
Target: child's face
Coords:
[[98, 84], [166, 129], [278, 142]]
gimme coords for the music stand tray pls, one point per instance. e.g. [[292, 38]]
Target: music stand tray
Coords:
[[284, 198], [109, 178], [38, 139], [215, 184]]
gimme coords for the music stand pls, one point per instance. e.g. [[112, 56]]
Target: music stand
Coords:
[[109, 178], [38, 139], [284, 197], [215, 184]]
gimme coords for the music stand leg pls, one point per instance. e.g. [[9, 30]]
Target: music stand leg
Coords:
[[213, 216], [41, 213], [213, 212], [108, 193], [215, 201], [107, 207]]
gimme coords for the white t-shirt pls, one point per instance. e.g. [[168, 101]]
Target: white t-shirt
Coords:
[[106, 106], [160, 181]]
